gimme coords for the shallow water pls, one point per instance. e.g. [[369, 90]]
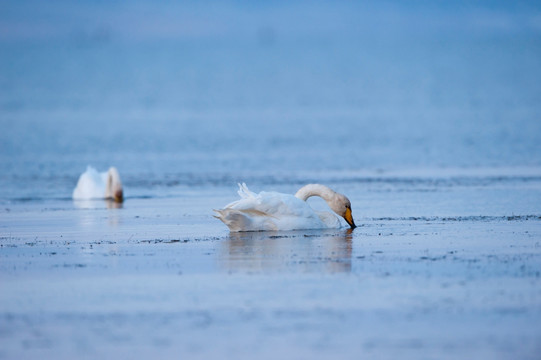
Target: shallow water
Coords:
[[426, 117], [149, 279]]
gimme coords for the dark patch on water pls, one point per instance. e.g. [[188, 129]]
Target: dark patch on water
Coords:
[[151, 182], [72, 266], [433, 258], [475, 218], [206, 179], [164, 241]]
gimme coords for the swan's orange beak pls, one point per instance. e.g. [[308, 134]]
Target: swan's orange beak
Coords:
[[349, 218]]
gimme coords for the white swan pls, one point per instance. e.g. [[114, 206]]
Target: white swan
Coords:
[[94, 185], [276, 211]]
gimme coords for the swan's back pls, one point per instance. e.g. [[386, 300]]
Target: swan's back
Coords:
[[268, 211], [91, 185]]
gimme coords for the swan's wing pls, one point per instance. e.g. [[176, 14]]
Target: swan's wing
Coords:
[[272, 204], [248, 220], [245, 193], [330, 220], [268, 211]]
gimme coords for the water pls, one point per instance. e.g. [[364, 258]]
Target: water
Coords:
[[241, 91], [427, 116]]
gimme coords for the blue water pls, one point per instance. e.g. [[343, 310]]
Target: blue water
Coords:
[[207, 95]]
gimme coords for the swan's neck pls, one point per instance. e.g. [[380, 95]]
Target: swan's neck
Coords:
[[315, 190], [113, 187]]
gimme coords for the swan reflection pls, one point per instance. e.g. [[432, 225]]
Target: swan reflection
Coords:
[[297, 251], [91, 218], [97, 204]]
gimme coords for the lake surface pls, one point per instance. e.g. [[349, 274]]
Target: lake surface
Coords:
[[428, 117]]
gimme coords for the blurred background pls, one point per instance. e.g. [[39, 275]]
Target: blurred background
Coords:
[[180, 94]]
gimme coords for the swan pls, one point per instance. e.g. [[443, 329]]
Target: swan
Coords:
[[94, 185], [268, 211]]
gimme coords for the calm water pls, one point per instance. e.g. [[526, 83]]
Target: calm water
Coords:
[[190, 95]]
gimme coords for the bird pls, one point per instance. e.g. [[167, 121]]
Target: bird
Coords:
[[95, 185], [272, 211]]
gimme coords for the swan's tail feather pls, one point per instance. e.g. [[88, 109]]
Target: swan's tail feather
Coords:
[[238, 220], [234, 219]]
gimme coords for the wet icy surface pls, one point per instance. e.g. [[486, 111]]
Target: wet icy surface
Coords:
[[162, 277]]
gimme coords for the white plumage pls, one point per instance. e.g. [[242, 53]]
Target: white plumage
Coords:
[[268, 211], [95, 185]]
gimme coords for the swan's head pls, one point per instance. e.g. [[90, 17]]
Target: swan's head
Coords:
[[337, 202], [341, 205], [114, 186]]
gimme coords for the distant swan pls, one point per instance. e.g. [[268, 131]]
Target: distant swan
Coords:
[[277, 211], [94, 185]]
